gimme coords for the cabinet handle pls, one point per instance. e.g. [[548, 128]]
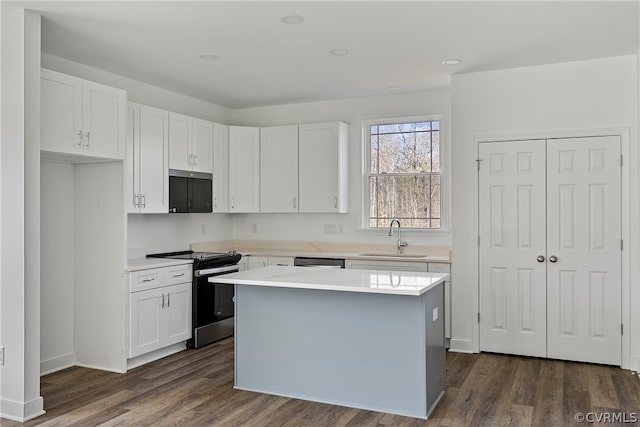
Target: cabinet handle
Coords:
[[136, 200], [335, 202], [162, 306], [79, 138], [144, 200], [88, 137], [168, 300], [195, 159], [295, 203], [190, 159], [178, 275], [233, 202], [149, 279], [215, 202]]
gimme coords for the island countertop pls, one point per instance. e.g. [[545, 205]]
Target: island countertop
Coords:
[[346, 280]]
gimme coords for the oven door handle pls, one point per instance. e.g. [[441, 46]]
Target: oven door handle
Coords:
[[216, 270]]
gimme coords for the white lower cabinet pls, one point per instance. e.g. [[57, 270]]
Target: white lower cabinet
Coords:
[[432, 267], [280, 260], [249, 262], [386, 265], [160, 316], [257, 262]]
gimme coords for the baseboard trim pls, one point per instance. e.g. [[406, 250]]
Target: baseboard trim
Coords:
[[21, 412], [461, 346], [57, 363]]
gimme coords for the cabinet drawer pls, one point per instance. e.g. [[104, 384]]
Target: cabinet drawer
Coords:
[[178, 274], [439, 267], [146, 279]]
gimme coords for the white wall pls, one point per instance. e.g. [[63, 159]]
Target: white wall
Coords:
[[141, 92], [57, 189], [542, 100], [20, 222], [174, 232], [354, 112]]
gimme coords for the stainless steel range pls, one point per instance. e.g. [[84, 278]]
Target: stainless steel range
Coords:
[[213, 306]]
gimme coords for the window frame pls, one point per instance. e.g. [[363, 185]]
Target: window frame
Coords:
[[445, 170]]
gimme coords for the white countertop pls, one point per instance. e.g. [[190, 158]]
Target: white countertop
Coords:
[[147, 263], [348, 280]]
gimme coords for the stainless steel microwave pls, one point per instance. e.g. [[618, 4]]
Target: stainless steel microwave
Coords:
[[190, 192]]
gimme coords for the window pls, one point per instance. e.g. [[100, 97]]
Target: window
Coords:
[[404, 173]]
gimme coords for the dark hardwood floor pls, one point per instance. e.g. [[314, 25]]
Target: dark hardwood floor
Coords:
[[195, 388]]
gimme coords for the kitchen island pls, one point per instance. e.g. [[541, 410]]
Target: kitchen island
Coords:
[[358, 338]]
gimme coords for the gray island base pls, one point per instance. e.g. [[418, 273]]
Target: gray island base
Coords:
[[357, 338]]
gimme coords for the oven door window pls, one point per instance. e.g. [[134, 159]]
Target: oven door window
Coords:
[[214, 302]]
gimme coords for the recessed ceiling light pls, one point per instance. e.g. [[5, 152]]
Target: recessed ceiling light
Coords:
[[452, 62], [209, 57], [292, 19], [339, 52]]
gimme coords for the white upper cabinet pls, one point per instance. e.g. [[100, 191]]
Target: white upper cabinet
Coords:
[[220, 168], [190, 143], [323, 167], [147, 160], [202, 148], [244, 169], [80, 117], [279, 169]]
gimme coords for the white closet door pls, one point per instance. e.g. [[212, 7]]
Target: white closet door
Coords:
[[512, 237], [584, 234]]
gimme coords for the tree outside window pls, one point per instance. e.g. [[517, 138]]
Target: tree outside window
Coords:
[[405, 174]]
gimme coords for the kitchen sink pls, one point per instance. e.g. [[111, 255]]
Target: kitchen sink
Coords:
[[394, 255]]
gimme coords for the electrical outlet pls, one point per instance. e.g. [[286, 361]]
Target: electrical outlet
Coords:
[[203, 229], [254, 228], [1, 355], [329, 229]]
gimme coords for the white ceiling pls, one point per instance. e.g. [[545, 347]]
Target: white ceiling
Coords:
[[263, 61]]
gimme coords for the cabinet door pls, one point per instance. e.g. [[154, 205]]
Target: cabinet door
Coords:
[[220, 168], [178, 313], [132, 164], [146, 310], [281, 260], [60, 112], [153, 172], [244, 169], [180, 137], [323, 166], [387, 265], [257, 262], [202, 147], [279, 169], [104, 111]]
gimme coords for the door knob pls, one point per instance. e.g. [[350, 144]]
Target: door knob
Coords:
[[553, 258], [540, 258]]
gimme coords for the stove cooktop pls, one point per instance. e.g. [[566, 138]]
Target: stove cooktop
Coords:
[[199, 256]]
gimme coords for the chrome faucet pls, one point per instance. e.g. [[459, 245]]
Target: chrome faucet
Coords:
[[401, 244]]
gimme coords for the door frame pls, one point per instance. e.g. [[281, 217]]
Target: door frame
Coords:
[[627, 361]]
